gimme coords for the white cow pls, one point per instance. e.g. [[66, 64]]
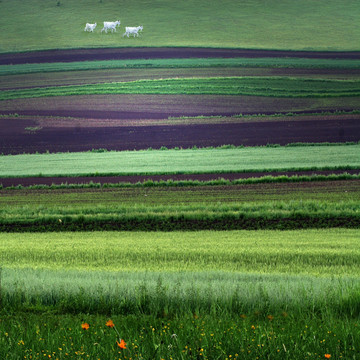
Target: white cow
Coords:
[[90, 27], [110, 25], [132, 30]]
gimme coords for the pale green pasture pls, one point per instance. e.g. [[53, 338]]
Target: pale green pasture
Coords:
[[285, 24], [330, 252], [182, 161]]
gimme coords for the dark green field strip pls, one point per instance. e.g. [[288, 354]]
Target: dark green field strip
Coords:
[[192, 63], [182, 222], [189, 208], [260, 86]]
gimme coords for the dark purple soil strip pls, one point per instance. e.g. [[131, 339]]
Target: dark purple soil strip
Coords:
[[161, 53], [16, 140], [6, 182]]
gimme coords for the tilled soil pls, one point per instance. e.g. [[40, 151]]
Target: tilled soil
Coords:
[[21, 135], [25, 136], [161, 53], [164, 106], [28, 181], [64, 78]]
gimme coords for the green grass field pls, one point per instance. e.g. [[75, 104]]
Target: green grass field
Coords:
[[181, 161], [279, 336], [311, 252], [287, 24], [292, 296]]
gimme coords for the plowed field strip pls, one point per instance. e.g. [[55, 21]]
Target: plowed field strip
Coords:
[[330, 191], [163, 106], [161, 53], [118, 75], [30, 136], [18, 123], [28, 181]]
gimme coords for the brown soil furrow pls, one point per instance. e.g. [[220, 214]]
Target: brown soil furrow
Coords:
[[21, 136], [163, 106], [6, 182], [161, 53], [25, 81]]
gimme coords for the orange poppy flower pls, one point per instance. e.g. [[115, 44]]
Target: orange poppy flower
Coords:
[[327, 356], [85, 326], [121, 344], [110, 324]]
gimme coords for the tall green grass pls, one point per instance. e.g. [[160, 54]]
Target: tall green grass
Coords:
[[278, 295], [181, 161], [265, 336], [327, 252], [295, 25], [177, 293], [254, 86], [179, 273]]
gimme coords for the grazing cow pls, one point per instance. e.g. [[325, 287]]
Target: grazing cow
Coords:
[[110, 25], [132, 30], [90, 27]]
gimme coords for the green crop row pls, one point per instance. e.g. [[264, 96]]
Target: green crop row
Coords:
[[33, 203], [184, 183], [180, 63], [142, 162], [256, 86], [163, 208]]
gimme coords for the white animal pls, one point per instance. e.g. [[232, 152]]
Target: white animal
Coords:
[[132, 30], [110, 25], [90, 27]]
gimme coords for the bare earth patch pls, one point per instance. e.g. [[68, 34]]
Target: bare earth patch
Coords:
[[48, 79], [163, 106], [30, 136], [6, 182], [161, 53]]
